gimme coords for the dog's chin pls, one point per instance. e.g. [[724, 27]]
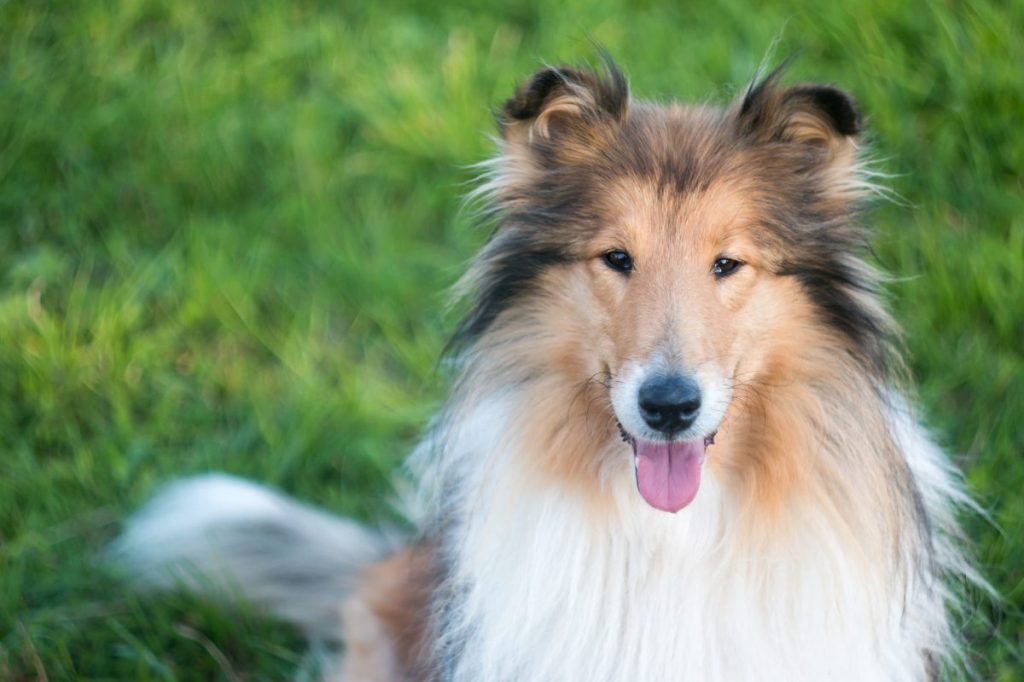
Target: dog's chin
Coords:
[[668, 472]]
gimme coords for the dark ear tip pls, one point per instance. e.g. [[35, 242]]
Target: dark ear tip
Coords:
[[839, 106], [607, 93], [530, 96]]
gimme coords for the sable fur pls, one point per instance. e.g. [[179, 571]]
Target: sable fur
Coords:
[[823, 542]]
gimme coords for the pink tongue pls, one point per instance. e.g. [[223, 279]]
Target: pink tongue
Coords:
[[668, 473]]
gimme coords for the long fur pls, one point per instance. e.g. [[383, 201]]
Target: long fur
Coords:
[[823, 542], [231, 539]]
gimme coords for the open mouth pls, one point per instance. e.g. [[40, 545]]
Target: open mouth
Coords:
[[667, 471]]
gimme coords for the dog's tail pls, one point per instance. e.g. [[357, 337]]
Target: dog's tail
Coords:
[[239, 542]]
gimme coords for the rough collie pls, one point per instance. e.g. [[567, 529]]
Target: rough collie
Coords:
[[678, 445]]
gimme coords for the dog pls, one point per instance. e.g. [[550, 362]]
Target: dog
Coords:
[[679, 445]]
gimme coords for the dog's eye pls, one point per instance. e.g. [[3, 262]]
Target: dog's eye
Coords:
[[618, 260], [725, 266]]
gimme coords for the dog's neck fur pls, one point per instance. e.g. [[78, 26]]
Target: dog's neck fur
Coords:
[[547, 578]]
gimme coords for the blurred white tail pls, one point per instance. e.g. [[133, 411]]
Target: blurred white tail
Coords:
[[237, 541]]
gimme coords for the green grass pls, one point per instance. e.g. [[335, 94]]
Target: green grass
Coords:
[[226, 230]]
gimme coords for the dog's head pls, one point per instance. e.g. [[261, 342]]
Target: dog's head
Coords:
[[678, 254]]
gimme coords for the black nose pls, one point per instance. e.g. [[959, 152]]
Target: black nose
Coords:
[[669, 403]]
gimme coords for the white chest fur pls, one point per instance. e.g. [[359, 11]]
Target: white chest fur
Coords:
[[552, 591]]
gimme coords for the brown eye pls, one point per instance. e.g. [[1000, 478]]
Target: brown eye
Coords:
[[724, 267], [619, 260]]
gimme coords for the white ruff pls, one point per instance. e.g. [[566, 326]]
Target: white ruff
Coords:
[[552, 590]]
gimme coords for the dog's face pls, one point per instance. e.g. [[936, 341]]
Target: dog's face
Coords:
[[681, 292], [677, 248]]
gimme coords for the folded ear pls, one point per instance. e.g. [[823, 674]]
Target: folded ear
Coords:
[[564, 102], [811, 114]]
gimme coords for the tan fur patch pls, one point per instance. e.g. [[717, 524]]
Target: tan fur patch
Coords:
[[386, 619]]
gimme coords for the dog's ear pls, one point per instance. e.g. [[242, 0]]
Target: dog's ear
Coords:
[[809, 114], [562, 104]]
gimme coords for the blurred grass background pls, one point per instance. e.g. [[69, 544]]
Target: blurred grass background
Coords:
[[226, 230]]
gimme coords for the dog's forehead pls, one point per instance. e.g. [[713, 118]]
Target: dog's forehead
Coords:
[[644, 212], [675, 176], [679, 148], [672, 156]]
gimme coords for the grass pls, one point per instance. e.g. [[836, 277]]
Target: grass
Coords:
[[226, 230]]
